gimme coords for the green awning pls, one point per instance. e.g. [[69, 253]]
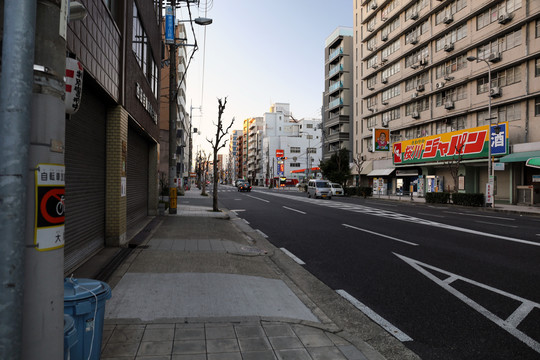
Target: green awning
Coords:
[[533, 162], [520, 157]]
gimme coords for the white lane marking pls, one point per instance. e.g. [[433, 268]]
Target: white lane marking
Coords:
[[392, 330], [379, 234], [254, 197], [510, 324], [478, 215], [491, 223], [247, 222], [262, 234], [426, 214], [298, 211], [292, 256], [238, 210], [397, 216]]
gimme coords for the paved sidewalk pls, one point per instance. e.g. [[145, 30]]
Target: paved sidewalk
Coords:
[[202, 287]]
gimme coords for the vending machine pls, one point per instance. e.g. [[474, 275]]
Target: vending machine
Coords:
[[434, 183]]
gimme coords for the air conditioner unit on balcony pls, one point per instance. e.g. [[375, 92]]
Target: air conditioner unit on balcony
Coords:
[[449, 47], [375, 66], [495, 91], [448, 78], [448, 19], [373, 5], [420, 87], [414, 66], [384, 37], [383, 60], [384, 102], [439, 85], [505, 17], [371, 88], [384, 18], [494, 57], [413, 40], [414, 95], [449, 105], [415, 115], [414, 15], [385, 123], [370, 29], [384, 80], [423, 61]]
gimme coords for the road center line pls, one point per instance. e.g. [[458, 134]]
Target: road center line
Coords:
[[394, 331], [298, 211], [292, 256], [379, 234]]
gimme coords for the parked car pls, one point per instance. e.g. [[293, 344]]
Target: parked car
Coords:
[[244, 186], [319, 189], [237, 182], [337, 189]]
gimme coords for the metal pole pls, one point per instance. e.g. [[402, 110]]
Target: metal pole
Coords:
[[43, 314], [15, 96], [172, 118], [489, 135]]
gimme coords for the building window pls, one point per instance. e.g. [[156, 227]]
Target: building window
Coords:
[[537, 67], [449, 125], [372, 61], [295, 165], [449, 10], [388, 8], [417, 106], [415, 8], [371, 101], [140, 40], [501, 113], [421, 79], [390, 27], [390, 115], [394, 69], [392, 48], [295, 149], [371, 122], [372, 81], [451, 66], [537, 106], [416, 56], [537, 28], [311, 150], [415, 33], [492, 14], [503, 43], [454, 94], [501, 78], [391, 93], [451, 37]]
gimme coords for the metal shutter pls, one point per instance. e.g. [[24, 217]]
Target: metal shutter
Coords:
[[85, 182], [137, 178]]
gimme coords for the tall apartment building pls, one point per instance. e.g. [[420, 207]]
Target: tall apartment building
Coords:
[[254, 136], [182, 117], [233, 153], [422, 72], [338, 91]]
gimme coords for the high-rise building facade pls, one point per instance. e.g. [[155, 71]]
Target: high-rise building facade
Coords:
[[432, 76], [338, 94]]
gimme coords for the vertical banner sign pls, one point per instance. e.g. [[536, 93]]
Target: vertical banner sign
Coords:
[[49, 219], [169, 25], [280, 153]]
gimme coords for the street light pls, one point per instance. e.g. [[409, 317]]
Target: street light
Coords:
[[490, 165], [173, 92]]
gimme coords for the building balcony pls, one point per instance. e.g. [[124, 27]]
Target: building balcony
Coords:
[[335, 103], [336, 120], [337, 137], [334, 87], [335, 53], [335, 70]]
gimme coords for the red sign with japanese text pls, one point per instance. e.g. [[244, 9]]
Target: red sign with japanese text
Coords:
[[280, 153]]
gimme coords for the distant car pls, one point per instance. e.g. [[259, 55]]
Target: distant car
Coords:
[[337, 189], [319, 189], [238, 182], [244, 186]]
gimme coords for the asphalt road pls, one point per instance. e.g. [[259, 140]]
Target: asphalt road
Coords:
[[450, 282]]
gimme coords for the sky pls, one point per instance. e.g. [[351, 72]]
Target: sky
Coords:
[[256, 53]]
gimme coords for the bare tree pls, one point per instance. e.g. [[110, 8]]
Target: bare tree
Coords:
[[454, 164], [358, 163], [216, 146]]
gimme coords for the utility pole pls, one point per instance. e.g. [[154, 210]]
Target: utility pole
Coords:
[[16, 82], [172, 118]]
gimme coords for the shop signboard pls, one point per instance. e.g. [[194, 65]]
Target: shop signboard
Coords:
[[470, 143]]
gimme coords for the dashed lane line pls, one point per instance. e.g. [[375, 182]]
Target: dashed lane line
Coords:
[[381, 235], [292, 256]]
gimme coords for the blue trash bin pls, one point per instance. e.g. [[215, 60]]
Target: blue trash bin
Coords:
[[84, 300], [70, 335]]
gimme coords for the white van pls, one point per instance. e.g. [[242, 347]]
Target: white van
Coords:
[[319, 189]]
